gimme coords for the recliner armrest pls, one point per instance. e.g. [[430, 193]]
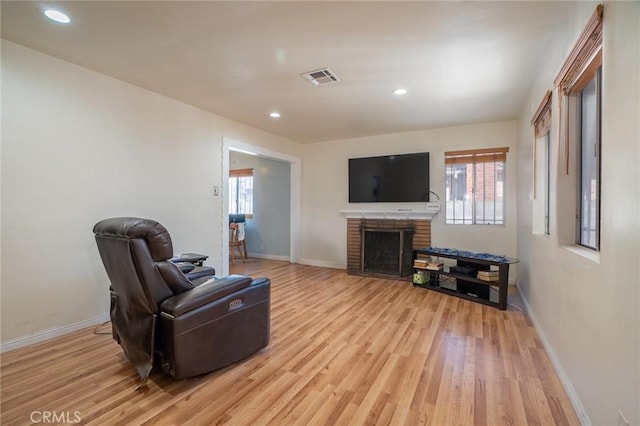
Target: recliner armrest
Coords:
[[203, 294]]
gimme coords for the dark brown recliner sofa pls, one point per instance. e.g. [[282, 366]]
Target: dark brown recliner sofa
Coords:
[[161, 318]]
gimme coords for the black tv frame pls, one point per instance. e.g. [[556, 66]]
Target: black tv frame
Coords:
[[389, 178]]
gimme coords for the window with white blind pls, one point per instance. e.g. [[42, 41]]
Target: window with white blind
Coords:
[[241, 191], [475, 186]]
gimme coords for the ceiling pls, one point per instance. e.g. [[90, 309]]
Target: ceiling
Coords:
[[461, 62]]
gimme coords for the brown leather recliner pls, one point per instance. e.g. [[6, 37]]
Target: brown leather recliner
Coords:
[[161, 318]]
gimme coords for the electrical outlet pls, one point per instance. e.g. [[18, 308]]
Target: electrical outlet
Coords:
[[622, 420], [216, 191]]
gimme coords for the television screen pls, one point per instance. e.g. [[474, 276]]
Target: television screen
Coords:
[[391, 178]]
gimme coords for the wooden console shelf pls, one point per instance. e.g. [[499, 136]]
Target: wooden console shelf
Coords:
[[466, 286]]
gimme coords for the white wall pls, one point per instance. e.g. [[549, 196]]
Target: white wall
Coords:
[[587, 311], [78, 147], [325, 189]]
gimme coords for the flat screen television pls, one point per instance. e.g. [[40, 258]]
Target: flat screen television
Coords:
[[389, 179]]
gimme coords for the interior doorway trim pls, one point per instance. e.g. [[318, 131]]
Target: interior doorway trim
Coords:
[[294, 231]]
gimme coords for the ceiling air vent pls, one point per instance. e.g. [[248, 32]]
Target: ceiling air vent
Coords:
[[320, 77]]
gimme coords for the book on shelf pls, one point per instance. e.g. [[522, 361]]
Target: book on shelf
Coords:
[[435, 266], [420, 263], [488, 277], [489, 273]]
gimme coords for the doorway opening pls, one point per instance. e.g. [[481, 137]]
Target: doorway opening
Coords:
[[238, 152]]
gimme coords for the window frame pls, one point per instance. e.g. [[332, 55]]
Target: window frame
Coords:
[[547, 180], [541, 123], [471, 159], [582, 65], [586, 150]]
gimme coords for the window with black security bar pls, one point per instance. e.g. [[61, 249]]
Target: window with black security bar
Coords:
[[475, 186]]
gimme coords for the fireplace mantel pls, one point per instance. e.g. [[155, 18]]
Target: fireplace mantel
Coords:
[[398, 214]]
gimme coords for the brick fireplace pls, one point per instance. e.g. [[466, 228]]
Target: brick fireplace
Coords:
[[392, 232]]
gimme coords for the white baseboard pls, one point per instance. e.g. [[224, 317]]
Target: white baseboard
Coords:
[[323, 264], [269, 257], [557, 365], [51, 333], [310, 262]]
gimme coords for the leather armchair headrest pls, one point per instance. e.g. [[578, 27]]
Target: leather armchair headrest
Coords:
[[157, 237]]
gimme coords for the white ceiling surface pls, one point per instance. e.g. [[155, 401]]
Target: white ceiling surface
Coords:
[[462, 62]]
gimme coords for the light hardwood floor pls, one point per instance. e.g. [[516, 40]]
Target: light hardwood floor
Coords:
[[344, 350]]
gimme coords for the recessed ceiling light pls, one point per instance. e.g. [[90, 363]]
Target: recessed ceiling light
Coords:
[[56, 15], [274, 114], [400, 92]]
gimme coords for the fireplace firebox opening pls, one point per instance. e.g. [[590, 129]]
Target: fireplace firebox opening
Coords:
[[386, 251]]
